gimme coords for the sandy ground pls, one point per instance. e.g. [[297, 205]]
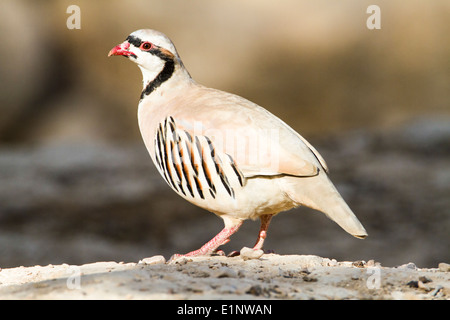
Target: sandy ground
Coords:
[[270, 276]]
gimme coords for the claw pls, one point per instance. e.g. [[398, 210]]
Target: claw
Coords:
[[220, 253], [233, 254]]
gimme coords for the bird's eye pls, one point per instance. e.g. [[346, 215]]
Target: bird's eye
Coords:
[[146, 46]]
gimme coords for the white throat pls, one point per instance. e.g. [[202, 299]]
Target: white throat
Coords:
[[148, 76]]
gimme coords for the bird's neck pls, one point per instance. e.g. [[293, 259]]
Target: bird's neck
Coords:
[[170, 75]]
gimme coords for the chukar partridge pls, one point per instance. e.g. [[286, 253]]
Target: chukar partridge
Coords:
[[222, 152]]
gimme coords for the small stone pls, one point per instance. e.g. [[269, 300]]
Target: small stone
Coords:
[[332, 263], [359, 263], [444, 267], [409, 265], [255, 290], [413, 284], [309, 279], [304, 271], [248, 253], [436, 290], [153, 260], [424, 279], [370, 263], [423, 286]]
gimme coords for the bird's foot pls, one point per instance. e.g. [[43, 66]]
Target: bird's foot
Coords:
[[196, 253], [220, 253], [233, 254]]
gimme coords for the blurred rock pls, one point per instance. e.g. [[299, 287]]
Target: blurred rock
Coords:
[[153, 260], [249, 254], [444, 267]]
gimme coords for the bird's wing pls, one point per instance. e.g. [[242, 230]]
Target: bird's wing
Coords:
[[257, 141], [191, 165]]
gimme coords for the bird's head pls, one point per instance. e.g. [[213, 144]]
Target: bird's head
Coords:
[[152, 51]]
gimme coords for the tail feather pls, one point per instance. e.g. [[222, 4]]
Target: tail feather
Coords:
[[319, 193]]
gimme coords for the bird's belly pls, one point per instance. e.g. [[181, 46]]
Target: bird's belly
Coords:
[[259, 196]]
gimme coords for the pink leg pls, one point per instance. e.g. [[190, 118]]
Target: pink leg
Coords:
[[265, 221], [221, 238]]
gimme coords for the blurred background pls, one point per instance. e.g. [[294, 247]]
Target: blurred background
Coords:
[[77, 185]]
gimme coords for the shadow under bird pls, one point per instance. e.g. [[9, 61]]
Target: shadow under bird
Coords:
[[222, 152]]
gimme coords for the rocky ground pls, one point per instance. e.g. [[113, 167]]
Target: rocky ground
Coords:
[[271, 276]]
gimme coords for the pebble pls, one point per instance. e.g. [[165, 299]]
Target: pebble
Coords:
[[420, 284], [413, 284], [372, 263], [153, 260], [248, 253], [424, 279], [436, 290], [331, 263], [409, 265], [444, 267], [423, 286], [359, 264]]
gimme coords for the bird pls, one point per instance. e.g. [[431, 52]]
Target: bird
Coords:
[[222, 152]]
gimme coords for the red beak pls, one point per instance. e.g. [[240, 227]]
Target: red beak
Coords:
[[121, 50]]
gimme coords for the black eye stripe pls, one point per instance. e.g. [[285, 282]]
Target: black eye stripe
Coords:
[[155, 50], [135, 41]]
